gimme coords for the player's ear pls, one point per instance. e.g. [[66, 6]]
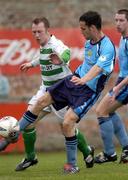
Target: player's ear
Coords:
[[92, 26]]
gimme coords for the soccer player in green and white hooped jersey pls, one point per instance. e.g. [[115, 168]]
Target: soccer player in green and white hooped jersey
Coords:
[[51, 50], [51, 73]]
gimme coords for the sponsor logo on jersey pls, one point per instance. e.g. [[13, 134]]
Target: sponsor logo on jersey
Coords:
[[102, 58]]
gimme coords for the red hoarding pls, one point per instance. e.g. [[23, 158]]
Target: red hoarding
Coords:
[[18, 46]]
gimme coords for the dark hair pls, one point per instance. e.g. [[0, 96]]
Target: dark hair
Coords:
[[91, 18], [123, 11], [41, 19]]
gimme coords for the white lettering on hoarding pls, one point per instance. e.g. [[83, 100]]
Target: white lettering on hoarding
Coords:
[[15, 52]]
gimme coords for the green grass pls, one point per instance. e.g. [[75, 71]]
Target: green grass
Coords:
[[50, 168]]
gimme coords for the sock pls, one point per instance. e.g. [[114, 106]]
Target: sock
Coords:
[[27, 119], [29, 136], [107, 132], [71, 150], [119, 129], [82, 144]]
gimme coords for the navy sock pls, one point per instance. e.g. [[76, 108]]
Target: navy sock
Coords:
[[119, 129], [27, 119], [107, 132], [71, 149]]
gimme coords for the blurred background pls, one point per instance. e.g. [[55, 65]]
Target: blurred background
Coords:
[[18, 46]]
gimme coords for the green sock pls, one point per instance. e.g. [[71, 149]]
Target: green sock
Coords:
[[29, 136], [82, 144]]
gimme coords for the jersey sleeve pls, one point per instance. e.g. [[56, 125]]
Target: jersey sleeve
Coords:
[[106, 59], [62, 51], [36, 60]]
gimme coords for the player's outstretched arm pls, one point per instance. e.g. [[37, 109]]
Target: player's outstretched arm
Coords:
[[25, 67]]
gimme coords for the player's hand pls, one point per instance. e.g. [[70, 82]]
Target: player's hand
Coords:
[[77, 81], [115, 92], [24, 67], [55, 59]]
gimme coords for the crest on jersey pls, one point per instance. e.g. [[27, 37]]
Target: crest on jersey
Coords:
[[89, 53]]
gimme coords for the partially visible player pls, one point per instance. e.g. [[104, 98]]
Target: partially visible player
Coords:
[[81, 90], [53, 61], [109, 121], [118, 87], [4, 85]]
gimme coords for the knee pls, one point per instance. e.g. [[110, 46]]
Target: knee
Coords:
[[40, 103], [44, 101], [66, 127]]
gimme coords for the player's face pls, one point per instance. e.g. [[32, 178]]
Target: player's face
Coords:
[[121, 23], [40, 33], [85, 30]]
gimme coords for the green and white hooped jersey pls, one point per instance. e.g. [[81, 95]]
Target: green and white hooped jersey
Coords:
[[52, 73]]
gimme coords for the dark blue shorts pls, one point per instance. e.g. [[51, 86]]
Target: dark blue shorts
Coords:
[[79, 97], [122, 97]]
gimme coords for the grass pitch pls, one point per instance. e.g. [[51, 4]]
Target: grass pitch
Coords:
[[50, 168]]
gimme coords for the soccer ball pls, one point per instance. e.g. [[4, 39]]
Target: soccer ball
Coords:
[[7, 124]]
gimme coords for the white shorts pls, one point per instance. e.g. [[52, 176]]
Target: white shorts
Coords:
[[60, 114], [39, 93]]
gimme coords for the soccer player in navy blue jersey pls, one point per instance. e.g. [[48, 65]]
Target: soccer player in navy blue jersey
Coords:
[[109, 121], [82, 89]]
